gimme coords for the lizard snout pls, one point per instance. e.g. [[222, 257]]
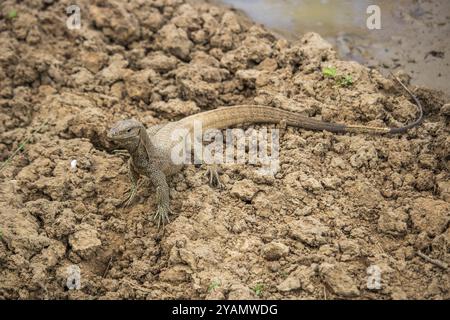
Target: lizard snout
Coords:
[[111, 134]]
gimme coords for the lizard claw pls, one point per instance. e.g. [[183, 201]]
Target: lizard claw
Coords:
[[129, 199], [162, 215], [120, 152], [214, 178]]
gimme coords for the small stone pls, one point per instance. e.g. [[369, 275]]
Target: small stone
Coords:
[[430, 216], [115, 71], [425, 180], [244, 190], [393, 222], [153, 21], [274, 251], [138, 85], [248, 77], [176, 41], [366, 155], [311, 184], [175, 274], [73, 165], [309, 231], [231, 22], [93, 61], [159, 62], [349, 248], [289, 284], [82, 77], [263, 206], [427, 161], [274, 266], [85, 242], [340, 282]]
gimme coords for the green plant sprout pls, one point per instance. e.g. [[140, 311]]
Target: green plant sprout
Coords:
[[329, 72], [258, 289], [12, 14], [213, 286], [345, 81]]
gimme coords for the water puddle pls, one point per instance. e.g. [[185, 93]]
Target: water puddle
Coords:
[[413, 37]]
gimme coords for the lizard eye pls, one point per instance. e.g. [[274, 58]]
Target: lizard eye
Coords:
[[129, 130]]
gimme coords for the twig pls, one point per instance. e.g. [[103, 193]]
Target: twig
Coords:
[[108, 266], [436, 262], [21, 146]]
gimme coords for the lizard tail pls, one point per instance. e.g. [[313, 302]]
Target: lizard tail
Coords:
[[419, 110], [226, 117], [369, 129]]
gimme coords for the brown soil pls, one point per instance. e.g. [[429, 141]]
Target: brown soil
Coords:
[[340, 204]]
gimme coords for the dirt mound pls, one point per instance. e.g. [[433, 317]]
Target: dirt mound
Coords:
[[342, 209]]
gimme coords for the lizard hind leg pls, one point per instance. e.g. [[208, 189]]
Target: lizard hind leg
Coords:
[[212, 174]]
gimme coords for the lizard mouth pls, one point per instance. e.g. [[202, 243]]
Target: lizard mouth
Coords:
[[112, 136], [115, 138], [115, 135]]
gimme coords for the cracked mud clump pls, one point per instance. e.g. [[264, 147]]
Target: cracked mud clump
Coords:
[[340, 205]]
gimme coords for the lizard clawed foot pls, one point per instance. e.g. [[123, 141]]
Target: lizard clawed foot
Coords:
[[162, 215], [163, 211], [214, 179], [123, 153], [131, 195]]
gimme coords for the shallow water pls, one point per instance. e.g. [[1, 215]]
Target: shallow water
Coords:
[[410, 31], [329, 18]]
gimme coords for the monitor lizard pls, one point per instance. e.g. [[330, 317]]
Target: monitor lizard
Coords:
[[150, 150]]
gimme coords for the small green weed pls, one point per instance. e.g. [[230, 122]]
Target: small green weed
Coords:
[[329, 72], [258, 289], [12, 14], [213, 286]]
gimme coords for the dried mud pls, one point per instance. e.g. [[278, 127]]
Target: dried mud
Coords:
[[339, 205]]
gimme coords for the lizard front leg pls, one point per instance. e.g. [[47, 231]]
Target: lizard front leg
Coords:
[[134, 176], [158, 178]]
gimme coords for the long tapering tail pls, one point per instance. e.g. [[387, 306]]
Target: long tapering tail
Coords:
[[226, 117]]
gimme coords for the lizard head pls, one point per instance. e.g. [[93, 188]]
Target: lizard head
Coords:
[[125, 132]]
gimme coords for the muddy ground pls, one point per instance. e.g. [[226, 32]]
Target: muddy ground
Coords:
[[339, 205]]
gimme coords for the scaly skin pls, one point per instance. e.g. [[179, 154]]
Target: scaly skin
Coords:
[[150, 150]]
